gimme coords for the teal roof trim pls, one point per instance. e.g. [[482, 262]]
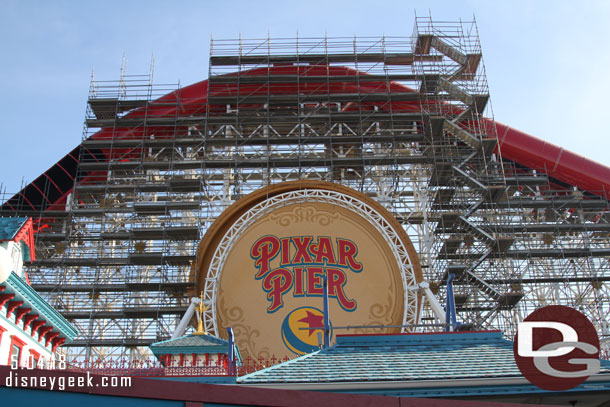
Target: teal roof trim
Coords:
[[28, 295], [191, 344], [433, 338], [10, 226], [194, 344], [25, 249], [255, 376], [192, 340]]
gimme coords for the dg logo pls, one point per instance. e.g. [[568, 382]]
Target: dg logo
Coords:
[[556, 348]]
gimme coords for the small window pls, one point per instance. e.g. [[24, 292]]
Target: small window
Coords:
[[15, 354], [17, 258], [15, 349]]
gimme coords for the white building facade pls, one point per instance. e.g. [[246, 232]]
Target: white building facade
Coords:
[[30, 329]]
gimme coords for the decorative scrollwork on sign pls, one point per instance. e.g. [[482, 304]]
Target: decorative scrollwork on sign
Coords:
[[382, 312], [305, 202], [305, 214], [246, 335]]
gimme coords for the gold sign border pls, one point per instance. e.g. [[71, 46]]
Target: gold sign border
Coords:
[[223, 223]]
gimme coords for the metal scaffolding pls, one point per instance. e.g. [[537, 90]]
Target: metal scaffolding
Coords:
[[404, 120]]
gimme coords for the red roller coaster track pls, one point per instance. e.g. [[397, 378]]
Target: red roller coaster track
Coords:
[[49, 191]]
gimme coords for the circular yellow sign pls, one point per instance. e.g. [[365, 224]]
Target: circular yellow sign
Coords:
[[271, 261]]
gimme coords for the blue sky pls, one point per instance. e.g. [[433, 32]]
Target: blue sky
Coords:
[[547, 61]]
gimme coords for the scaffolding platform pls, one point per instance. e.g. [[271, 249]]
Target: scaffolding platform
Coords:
[[404, 120]]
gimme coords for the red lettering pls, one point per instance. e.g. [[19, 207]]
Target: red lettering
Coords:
[[301, 244], [264, 250], [314, 281], [298, 281], [336, 281], [306, 280], [285, 251], [323, 251], [277, 283], [347, 254]]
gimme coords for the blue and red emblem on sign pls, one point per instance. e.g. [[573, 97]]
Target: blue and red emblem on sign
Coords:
[[301, 328]]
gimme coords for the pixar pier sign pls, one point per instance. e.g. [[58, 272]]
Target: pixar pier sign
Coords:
[[301, 264], [262, 265]]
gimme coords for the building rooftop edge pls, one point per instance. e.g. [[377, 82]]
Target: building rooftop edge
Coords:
[[411, 338], [48, 312]]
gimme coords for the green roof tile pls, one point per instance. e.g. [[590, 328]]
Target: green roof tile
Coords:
[[10, 226], [399, 357], [192, 341]]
